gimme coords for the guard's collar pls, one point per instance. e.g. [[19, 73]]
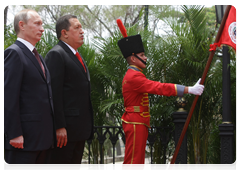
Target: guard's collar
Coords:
[[135, 68]]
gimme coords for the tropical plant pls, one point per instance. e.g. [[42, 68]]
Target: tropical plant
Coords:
[[9, 36], [47, 42], [112, 67], [193, 39], [180, 57]]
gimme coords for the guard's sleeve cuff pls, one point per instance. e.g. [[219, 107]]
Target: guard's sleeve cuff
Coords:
[[179, 90]]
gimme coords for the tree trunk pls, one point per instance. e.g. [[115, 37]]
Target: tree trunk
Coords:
[[5, 15]]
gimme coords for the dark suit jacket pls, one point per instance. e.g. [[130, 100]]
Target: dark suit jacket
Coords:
[[71, 93], [28, 106]]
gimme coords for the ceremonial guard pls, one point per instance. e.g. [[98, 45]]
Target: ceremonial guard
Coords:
[[135, 89]]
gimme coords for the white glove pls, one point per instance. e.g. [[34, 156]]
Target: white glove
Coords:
[[197, 89]]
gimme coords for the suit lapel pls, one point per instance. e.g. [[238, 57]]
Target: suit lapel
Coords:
[[75, 59], [31, 56]]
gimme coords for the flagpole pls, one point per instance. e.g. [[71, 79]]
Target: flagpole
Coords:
[[202, 81]]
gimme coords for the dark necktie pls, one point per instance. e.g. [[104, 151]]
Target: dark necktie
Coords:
[[80, 59], [39, 61]]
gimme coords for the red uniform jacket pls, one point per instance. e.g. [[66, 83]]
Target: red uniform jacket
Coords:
[[135, 89]]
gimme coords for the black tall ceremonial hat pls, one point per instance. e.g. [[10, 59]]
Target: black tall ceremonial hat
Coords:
[[129, 45]]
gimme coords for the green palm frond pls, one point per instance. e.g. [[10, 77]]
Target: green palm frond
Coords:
[[196, 16], [108, 104], [47, 42]]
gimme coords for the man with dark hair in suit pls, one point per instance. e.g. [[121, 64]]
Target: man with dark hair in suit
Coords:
[[71, 92], [29, 131]]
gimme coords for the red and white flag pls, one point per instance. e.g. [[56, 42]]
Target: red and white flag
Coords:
[[228, 36]]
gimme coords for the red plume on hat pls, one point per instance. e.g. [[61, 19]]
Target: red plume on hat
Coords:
[[122, 28]]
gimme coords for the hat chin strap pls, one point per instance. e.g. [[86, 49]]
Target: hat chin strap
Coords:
[[140, 59]]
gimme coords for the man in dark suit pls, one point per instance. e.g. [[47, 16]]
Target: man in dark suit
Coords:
[[29, 131], [71, 92]]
